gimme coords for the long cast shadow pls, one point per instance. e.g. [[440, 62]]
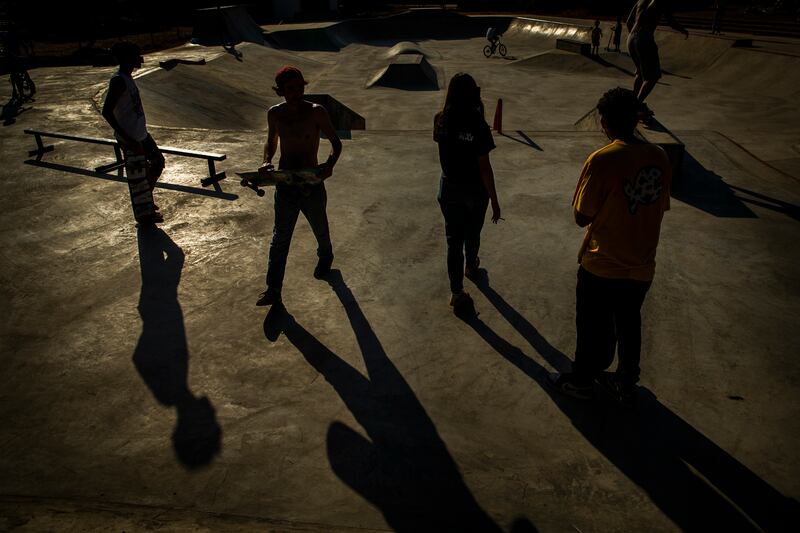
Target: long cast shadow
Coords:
[[767, 202], [697, 484], [403, 467], [707, 191], [161, 356], [527, 140]]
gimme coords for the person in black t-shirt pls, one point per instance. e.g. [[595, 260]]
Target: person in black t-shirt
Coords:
[[467, 182]]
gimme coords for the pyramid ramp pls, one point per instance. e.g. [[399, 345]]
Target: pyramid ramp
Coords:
[[407, 72]]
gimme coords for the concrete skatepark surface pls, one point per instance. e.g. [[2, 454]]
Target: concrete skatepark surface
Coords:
[[143, 390]]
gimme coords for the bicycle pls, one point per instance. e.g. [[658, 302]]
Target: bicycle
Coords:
[[496, 46]]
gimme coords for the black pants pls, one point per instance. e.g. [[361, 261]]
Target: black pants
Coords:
[[464, 210], [608, 318]]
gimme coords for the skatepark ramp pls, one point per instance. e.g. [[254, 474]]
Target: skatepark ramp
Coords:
[[342, 117], [406, 47], [384, 31], [223, 94], [566, 62], [410, 72], [227, 25]]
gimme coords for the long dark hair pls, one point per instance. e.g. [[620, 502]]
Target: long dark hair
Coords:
[[463, 98]]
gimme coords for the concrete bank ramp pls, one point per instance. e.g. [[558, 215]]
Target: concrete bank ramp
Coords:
[[223, 94], [410, 72], [381, 31], [567, 62], [755, 71], [689, 57], [225, 25]]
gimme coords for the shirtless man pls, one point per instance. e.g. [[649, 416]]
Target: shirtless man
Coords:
[[297, 124], [642, 23]]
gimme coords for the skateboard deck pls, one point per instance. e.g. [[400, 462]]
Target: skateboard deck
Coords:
[[303, 177], [136, 169]]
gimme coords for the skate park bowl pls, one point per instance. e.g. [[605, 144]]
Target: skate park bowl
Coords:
[[160, 397]]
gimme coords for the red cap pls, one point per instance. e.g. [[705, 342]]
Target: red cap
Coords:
[[287, 73]]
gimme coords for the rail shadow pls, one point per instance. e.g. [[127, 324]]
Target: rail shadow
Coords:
[[161, 356], [697, 484], [111, 177], [402, 467]]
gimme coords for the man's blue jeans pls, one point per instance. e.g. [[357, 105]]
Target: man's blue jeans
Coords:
[[289, 203]]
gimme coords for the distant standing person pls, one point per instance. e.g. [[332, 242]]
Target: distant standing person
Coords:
[[124, 112], [719, 14], [621, 196], [597, 34], [617, 34], [466, 186], [642, 23], [296, 124]]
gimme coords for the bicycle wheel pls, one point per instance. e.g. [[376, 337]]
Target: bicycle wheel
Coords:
[[502, 49], [487, 50]]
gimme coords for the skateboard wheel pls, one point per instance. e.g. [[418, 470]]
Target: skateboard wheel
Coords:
[[260, 192]]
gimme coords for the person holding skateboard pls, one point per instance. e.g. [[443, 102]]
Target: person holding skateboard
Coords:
[[621, 196], [296, 124], [642, 23], [467, 183], [124, 113]]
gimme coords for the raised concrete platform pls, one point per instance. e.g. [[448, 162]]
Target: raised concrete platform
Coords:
[[141, 388]]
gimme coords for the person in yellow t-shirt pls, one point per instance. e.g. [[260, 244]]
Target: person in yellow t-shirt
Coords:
[[621, 196]]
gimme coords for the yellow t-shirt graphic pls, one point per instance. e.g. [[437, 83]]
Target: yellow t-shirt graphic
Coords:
[[625, 188]]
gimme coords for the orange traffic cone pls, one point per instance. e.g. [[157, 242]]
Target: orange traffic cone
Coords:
[[498, 117]]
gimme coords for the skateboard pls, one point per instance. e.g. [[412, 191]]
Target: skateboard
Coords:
[[136, 169], [303, 177]]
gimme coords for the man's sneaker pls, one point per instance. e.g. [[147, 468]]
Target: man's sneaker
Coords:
[[323, 267], [471, 271], [269, 297], [566, 383]]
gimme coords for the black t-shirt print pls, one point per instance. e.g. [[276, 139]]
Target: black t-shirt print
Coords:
[[462, 141]]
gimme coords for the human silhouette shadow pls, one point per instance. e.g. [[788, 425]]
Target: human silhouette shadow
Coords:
[[402, 467], [697, 484], [11, 110], [161, 356]]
